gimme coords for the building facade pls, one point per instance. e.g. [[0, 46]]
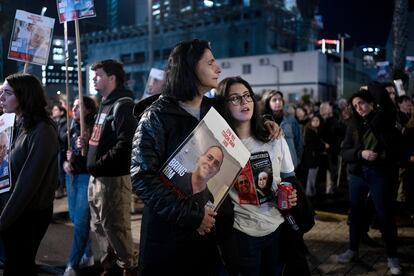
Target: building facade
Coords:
[[235, 28], [295, 74]]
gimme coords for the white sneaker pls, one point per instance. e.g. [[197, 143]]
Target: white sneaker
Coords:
[[69, 271], [86, 261], [346, 257], [394, 266]]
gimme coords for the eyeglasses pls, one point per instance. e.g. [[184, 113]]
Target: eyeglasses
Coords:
[[238, 100]]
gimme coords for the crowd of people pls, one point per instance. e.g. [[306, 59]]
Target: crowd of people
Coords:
[[121, 146]]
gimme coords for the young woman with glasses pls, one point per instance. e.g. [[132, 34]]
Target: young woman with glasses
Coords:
[[255, 243]]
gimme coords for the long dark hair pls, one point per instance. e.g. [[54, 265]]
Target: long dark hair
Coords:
[[256, 123], [30, 95], [309, 127], [181, 81], [269, 96]]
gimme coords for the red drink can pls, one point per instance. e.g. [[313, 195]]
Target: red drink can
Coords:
[[284, 190]]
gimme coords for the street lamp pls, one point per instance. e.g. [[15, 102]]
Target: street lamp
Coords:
[[342, 39], [150, 36], [277, 75]]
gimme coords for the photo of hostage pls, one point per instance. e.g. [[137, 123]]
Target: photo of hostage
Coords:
[[263, 184], [195, 183], [242, 184], [33, 42], [246, 190], [4, 163]]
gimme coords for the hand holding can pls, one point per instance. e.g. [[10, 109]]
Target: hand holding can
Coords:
[[284, 191]]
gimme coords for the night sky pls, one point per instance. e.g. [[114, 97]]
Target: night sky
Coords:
[[367, 21]]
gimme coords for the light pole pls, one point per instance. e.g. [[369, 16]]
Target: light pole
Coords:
[[277, 75], [342, 39], [150, 36]]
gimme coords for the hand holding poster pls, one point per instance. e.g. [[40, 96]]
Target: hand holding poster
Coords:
[[31, 38], [207, 163], [70, 10], [6, 126]]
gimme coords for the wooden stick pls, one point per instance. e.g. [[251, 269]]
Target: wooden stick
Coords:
[[80, 91], [26, 67], [65, 30]]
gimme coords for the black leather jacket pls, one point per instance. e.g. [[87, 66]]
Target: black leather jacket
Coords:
[[169, 223], [163, 127]]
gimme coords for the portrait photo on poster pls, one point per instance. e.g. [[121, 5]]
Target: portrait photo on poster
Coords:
[[6, 132], [202, 166], [31, 38]]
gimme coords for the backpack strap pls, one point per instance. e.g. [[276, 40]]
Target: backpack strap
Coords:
[[115, 108]]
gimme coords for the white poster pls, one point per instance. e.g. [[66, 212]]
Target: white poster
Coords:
[[31, 38], [6, 131], [207, 163]]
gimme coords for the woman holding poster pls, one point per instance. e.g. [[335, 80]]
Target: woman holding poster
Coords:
[[256, 241], [175, 232], [34, 173]]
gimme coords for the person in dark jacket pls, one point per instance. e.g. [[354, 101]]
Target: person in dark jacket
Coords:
[[175, 231], [34, 173], [369, 148], [108, 162], [77, 180], [313, 150], [407, 175], [332, 132]]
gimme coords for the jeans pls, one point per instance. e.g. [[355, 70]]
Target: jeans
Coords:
[[110, 202], [376, 183], [311, 181], [80, 216], [259, 255]]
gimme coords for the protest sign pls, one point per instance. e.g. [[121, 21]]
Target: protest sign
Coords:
[[6, 131], [207, 163], [31, 38], [69, 10], [155, 83]]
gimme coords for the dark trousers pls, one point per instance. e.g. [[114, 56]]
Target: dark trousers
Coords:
[[294, 252], [376, 183], [252, 256], [21, 241]]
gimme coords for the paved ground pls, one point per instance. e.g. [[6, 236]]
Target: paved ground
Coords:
[[325, 240]]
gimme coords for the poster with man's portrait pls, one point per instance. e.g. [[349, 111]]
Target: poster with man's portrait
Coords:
[[207, 163], [69, 10], [31, 38], [6, 130]]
